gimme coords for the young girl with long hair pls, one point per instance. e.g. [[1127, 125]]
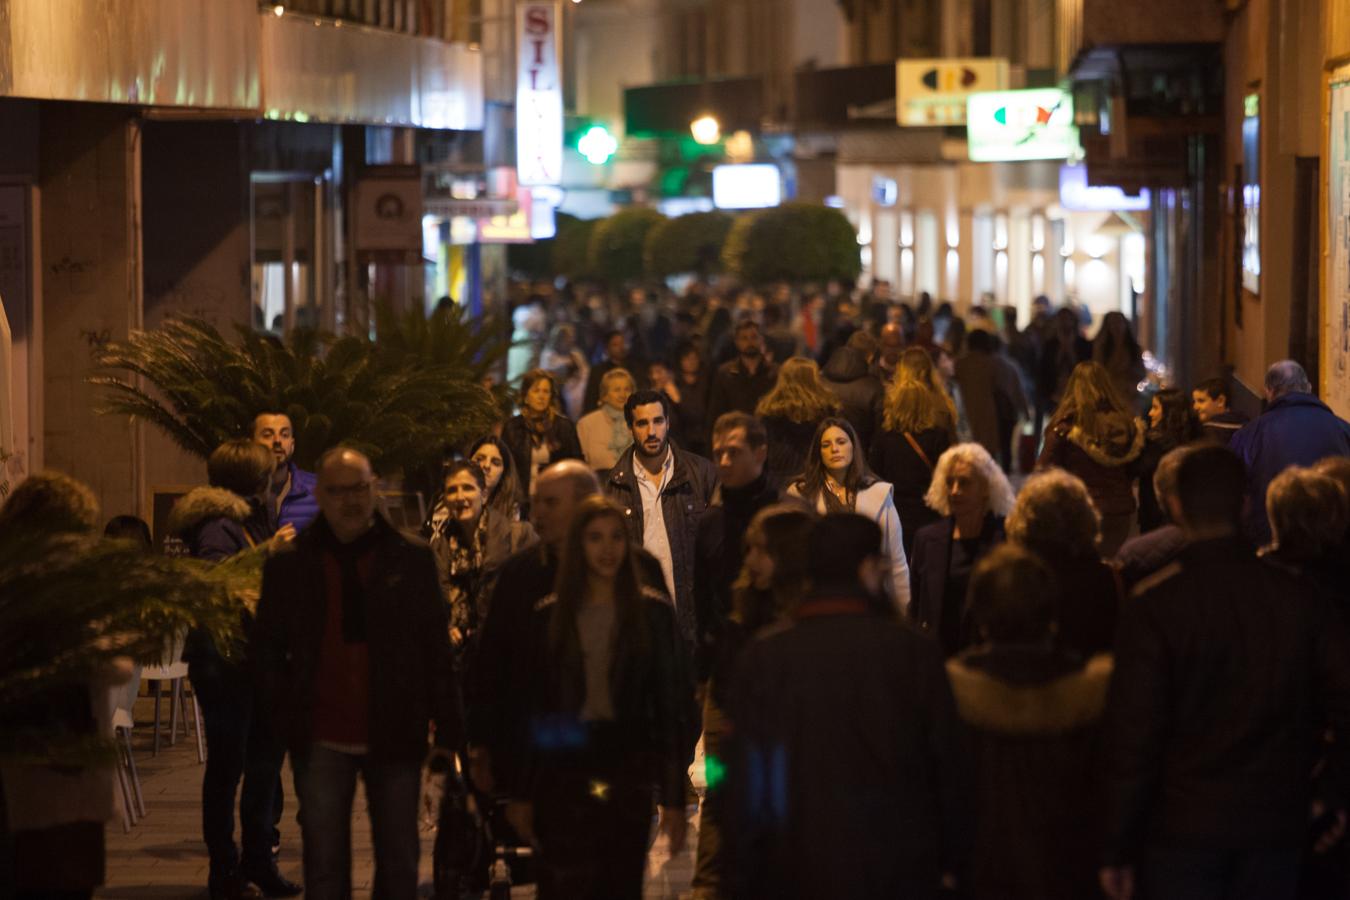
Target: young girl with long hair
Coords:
[[1171, 424], [491, 454], [1095, 435], [609, 691], [771, 582], [837, 479], [790, 411]]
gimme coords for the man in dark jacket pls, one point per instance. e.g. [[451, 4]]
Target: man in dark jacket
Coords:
[[847, 777], [740, 448], [739, 384], [849, 377], [1218, 423], [352, 650], [1228, 671], [664, 491], [498, 690], [1145, 554], [1296, 429]]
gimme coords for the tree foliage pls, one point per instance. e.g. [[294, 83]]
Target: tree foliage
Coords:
[[569, 256], [402, 400], [793, 242], [617, 244], [690, 243]]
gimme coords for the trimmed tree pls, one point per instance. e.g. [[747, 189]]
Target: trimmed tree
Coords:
[[793, 242], [691, 243], [615, 253], [571, 247]]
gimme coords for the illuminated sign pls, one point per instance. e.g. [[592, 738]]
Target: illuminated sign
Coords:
[[539, 100], [747, 186], [1076, 195], [1013, 125], [934, 91]]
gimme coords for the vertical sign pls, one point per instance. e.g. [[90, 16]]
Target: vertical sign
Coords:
[[1336, 309], [539, 100], [1251, 193]]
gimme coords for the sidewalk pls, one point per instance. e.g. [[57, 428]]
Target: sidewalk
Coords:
[[163, 857]]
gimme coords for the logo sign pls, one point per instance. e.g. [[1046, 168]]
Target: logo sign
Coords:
[[388, 210], [934, 91], [1015, 125], [1076, 195], [539, 100]]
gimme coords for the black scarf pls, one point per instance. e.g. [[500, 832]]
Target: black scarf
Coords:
[[353, 588]]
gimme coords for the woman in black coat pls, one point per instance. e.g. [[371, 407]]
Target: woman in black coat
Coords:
[[540, 434], [791, 412], [918, 425], [608, 704], [972, 494]]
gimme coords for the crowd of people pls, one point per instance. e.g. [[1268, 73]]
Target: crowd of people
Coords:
[[956, 608]]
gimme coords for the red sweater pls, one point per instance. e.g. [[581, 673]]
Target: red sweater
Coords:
[[342, 688]]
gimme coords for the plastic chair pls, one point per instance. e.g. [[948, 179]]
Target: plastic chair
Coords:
[[173, 670], [124, 701]]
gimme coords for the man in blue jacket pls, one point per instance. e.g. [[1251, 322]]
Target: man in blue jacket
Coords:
[[1296, 429], [291, 500]]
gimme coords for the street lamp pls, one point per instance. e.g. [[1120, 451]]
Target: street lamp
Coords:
[[706, 129]]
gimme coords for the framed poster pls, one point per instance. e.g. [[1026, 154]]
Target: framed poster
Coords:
[[1336, 284]]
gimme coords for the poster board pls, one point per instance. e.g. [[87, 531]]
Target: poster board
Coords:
[[1335, 338], [162, 499]]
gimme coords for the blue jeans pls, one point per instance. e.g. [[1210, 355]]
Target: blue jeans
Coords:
[[325, 781], [238, 746]]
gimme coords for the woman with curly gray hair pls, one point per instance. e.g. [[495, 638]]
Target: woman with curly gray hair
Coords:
[[972, 495], [1055, 518]]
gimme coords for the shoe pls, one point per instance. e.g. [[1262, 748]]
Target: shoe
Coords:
[[272, 883], [231, 886]]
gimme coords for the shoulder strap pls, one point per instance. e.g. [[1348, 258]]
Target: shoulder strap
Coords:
[[919, 450]]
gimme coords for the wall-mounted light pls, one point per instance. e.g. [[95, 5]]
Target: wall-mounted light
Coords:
[[706, 129], [279, 10]]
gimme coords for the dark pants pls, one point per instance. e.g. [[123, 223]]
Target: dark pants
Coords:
[[1219, 874], [325, 781], [712, 856], [238, 747], [593, 819]]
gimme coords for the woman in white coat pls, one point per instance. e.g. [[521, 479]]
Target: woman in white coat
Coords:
[[837, 479]]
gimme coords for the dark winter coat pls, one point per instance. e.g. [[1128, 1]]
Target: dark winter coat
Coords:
[[790, 446], [1034, 716], [1104, 467], [1141, 556], [847, 375], [1222, 427], [1090, 597], [561, 438], [411, 678], [683, 502], [502, 539], [1295, 430], [848, 775], [930, 568], [498, 690], [893, 459], [1228, 669], [650, 691], [718, 554], [733, 388]]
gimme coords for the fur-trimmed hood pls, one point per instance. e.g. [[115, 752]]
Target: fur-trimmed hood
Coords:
[[1062, 705], [1123, 445], [204, 504]]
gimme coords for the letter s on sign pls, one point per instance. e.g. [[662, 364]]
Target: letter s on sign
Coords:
[[536, 21]]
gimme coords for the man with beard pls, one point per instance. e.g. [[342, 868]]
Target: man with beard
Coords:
[[739, 384], [664, 491], [291, 501]]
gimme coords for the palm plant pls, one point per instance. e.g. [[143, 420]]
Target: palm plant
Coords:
[[402, 400]]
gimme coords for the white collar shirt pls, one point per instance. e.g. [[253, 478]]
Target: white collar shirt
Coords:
[[654, 536]]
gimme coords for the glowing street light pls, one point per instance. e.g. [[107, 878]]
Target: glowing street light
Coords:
[[706, 130]]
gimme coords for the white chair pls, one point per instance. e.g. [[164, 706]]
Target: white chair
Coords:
[[124, 701], [173, 670]]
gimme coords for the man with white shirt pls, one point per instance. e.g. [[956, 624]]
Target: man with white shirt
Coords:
[[664, 492]]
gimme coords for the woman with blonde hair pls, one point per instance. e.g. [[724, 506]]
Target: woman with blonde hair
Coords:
[[603, 432], [918, 425], [971, 493], [790, 412], [1095, 435], [1055, 519]]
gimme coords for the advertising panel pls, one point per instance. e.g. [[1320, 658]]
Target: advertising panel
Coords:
[[1005, 126], [539, 99]]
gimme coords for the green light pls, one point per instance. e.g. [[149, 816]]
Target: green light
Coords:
[[714, 772], [597, 145]]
